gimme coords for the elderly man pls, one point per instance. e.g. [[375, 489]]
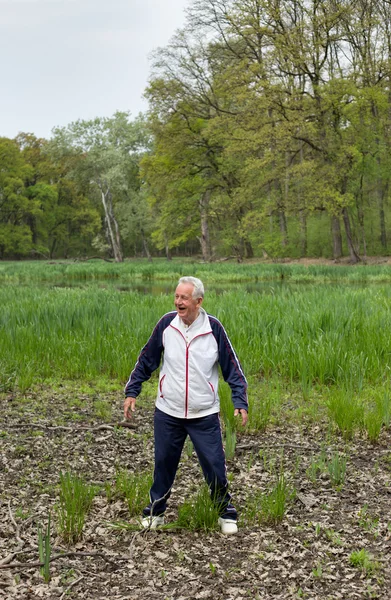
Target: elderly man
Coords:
[[193, 345]]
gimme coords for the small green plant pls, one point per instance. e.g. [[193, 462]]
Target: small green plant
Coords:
[[103, 410], [269, 507], [336, 468], [346, 411], [109, 491], [75, 501], [333, 537], [134, 487], [373, 423], [367, 520], [200, 512], [364, 561], [317, 571], [189, 447], [250, 461], [386, 408], [213, 568], [44, 550], [260, 412], [317, 466]]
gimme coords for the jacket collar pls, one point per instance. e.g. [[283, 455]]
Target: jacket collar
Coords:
[[200, 326]]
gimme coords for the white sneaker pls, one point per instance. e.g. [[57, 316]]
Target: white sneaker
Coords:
[[228, 526], [152, 522]]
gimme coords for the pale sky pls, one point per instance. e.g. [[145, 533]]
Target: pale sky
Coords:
[[63, 60]]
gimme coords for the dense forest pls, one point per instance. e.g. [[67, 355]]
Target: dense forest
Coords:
[[268, 134]]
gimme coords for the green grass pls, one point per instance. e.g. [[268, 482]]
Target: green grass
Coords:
[[363, 560], [314, 335], [44, 550], [75, 500], [199, 512], [333, 338], [269, 507], [134, 488], [162, 270]]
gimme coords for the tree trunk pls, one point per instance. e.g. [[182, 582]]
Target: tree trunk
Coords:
[[337, 237], [382, 219], [249, 252], [302, 215], [52, 248], [145, 246], [205, 238], [167, 248], [360, 215], [111, 223], [283, 228], [303, 233], [354, 257]]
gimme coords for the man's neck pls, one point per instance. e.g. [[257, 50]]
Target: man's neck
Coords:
[[188, 323]]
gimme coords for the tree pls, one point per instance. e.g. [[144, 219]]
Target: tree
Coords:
[[15, 205], [102, 155]]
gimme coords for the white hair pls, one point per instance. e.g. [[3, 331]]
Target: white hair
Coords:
[[198, 291]]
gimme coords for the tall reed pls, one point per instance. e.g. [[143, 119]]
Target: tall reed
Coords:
[[311, 335]]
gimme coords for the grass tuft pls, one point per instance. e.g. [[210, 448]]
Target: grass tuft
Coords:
[[76, 498], [269, 508], [199, 513], [134, 487]]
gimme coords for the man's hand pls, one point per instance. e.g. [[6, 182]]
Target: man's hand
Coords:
[[243, 413], [129, 407]]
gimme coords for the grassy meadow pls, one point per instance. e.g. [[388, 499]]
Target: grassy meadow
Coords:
[[329, 339], [311, 473]]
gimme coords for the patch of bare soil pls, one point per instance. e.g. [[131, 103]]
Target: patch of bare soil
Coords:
[[306, 556]]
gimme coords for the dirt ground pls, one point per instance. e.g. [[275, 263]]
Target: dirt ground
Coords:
[[306, 556]]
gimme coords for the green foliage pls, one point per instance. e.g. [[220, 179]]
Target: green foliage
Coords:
[[134, 487], [269, 507], [44, 550], [102, 158], [199, 513], [331, 335], [346, 411], [336, 467], [103, 410], [74, 503], [363, 560]]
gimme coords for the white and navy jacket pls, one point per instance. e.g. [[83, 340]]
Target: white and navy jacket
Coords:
[[188, 379]]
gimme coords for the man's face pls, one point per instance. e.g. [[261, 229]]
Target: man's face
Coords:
[[187, 306]]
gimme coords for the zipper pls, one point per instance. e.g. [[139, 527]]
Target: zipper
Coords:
[[187, 365], [187, 382], [187, 370]]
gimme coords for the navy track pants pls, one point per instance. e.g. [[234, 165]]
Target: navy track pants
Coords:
[[170, 436]]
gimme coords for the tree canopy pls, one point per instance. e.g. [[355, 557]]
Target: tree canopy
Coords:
[[268, 133]]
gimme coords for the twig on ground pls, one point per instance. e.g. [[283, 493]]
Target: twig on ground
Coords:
[[125, 424], [64, 555], [21, 543], [71, 586], [263, 446]]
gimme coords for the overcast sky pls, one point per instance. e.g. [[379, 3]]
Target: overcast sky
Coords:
[[63, 60]]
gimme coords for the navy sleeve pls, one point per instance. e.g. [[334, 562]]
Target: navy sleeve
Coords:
[[149, 358], [230, 365]]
